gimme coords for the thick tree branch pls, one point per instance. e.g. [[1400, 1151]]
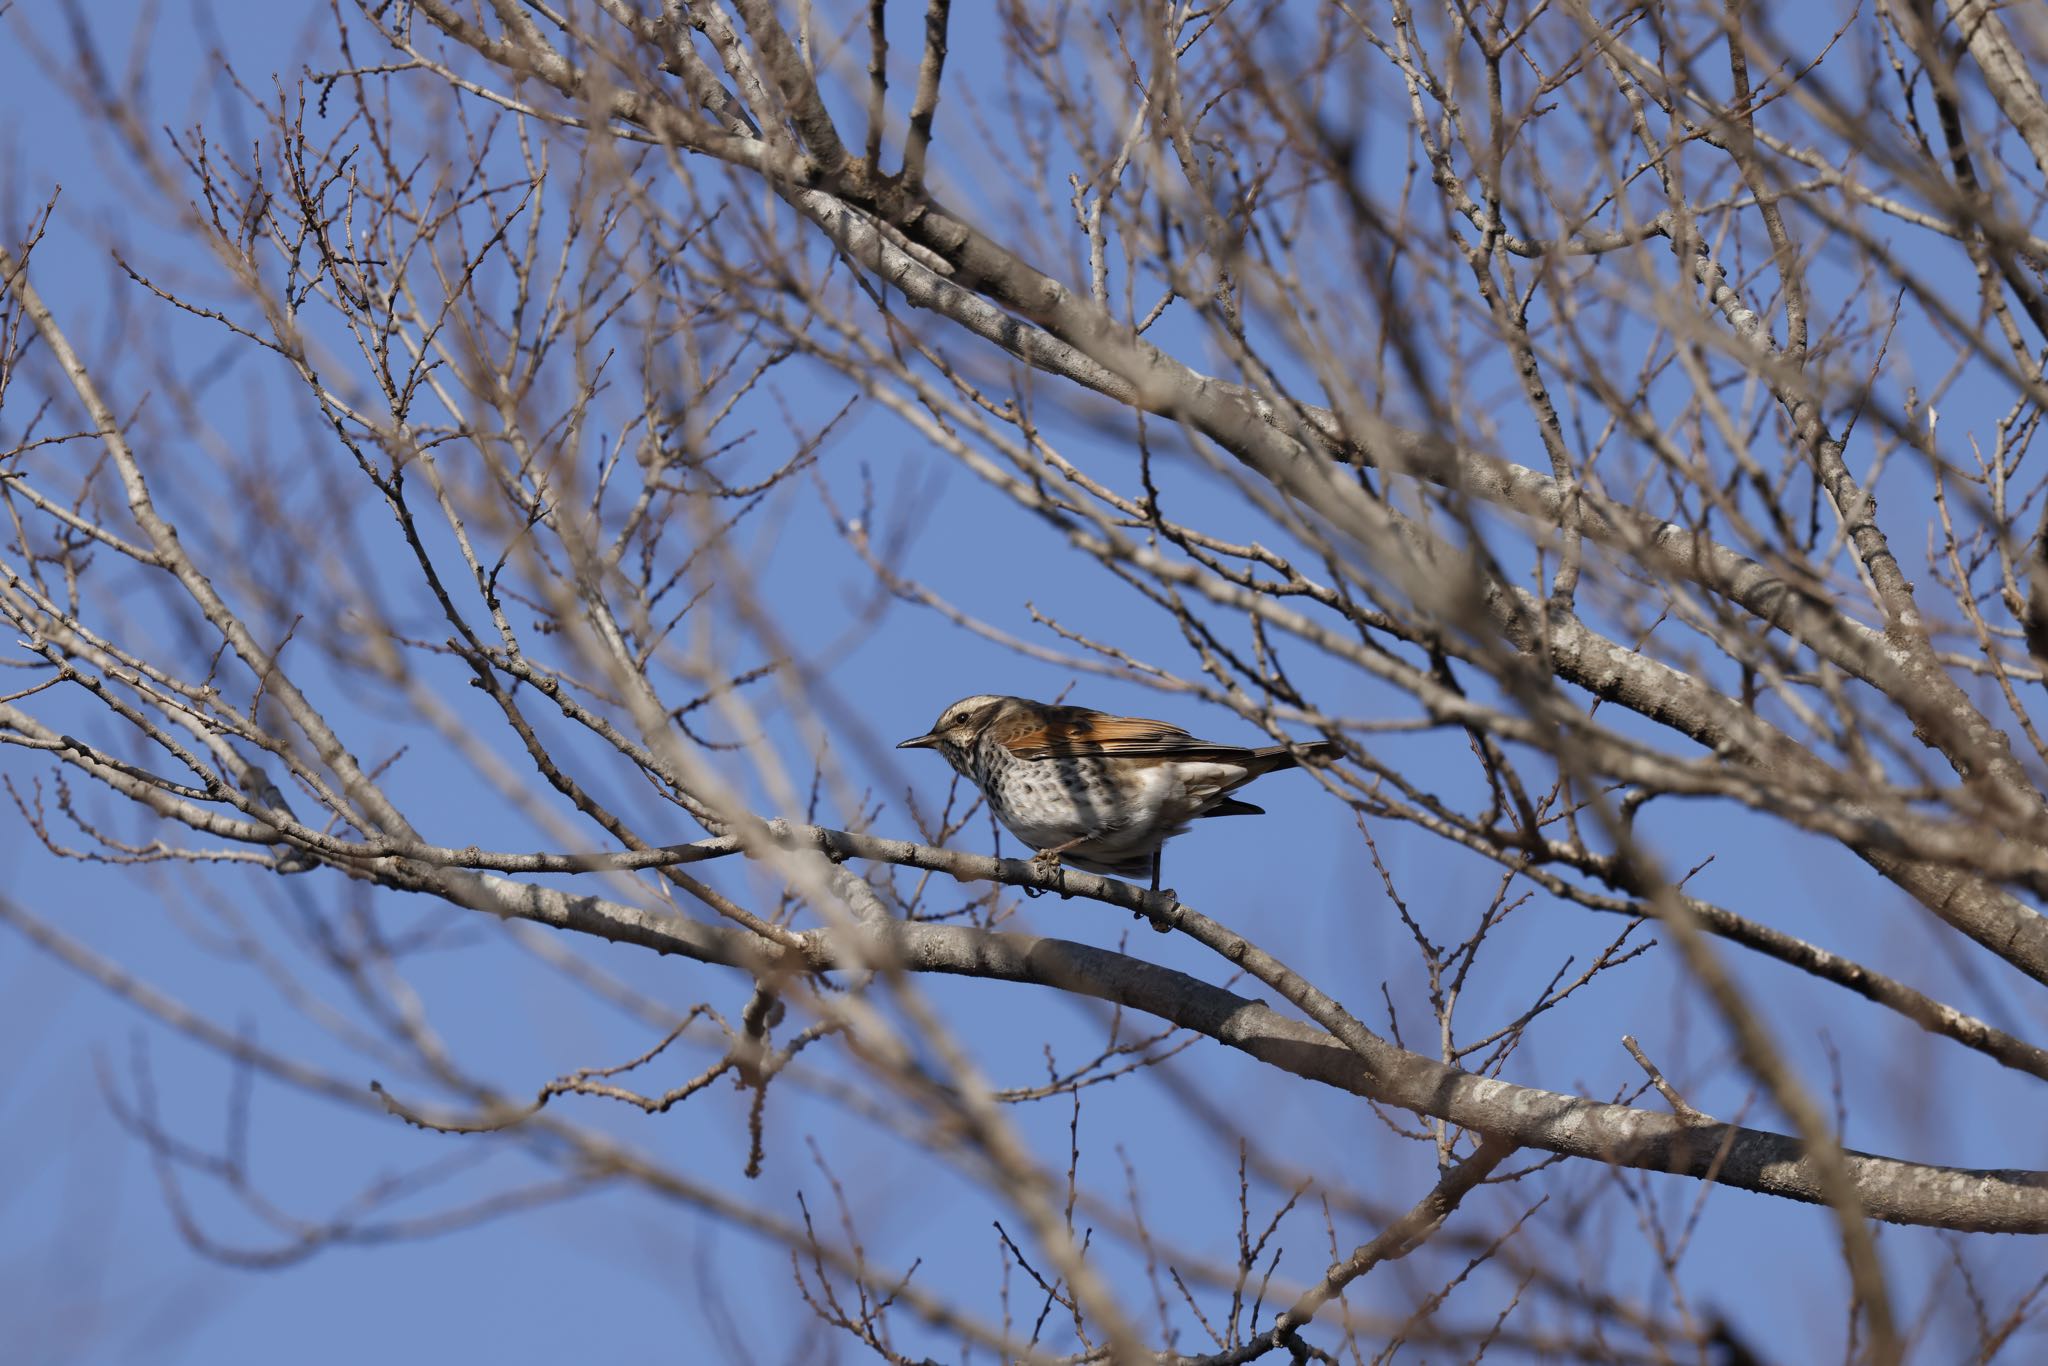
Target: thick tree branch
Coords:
[[1998, 1200]]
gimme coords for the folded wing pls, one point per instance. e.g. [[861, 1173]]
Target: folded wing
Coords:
[[1078, 732]]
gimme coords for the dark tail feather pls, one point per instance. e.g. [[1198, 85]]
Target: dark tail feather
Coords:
[[1231, 806]]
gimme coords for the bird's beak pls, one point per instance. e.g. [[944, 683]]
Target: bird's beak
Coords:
[[919, 742]]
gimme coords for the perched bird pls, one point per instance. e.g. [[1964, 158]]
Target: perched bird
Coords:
[[1099, 791]]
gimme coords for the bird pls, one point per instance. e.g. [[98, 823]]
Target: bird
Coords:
[[1101, 792]]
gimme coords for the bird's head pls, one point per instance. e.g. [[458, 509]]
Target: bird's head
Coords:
[[961, 724]]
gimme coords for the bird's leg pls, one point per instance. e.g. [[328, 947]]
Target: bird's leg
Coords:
[[1158, 925], [1046, 862]]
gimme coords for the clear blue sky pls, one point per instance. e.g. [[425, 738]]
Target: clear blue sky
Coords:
[[92, 1268]]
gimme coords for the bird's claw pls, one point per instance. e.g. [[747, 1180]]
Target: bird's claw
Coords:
[[1046, 863], [1151, 913]]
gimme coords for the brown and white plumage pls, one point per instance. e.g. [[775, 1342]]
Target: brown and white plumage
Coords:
[[1103, 792]]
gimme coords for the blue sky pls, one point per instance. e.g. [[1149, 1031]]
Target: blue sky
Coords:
[[92, 1266]]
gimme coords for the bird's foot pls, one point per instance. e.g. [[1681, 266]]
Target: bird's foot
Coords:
[[1046, 863], [1161, 904]]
